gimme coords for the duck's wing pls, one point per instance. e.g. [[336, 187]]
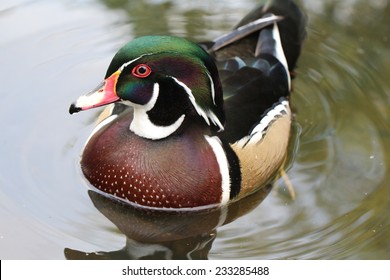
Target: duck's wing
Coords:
[[256, 61]]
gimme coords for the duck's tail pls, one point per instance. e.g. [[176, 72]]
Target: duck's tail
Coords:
[[251, 37]]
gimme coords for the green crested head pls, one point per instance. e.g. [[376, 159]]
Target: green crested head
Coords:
[[176, 70], [169, 81], [153, 45]]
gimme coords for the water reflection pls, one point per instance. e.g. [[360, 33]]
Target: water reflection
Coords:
[[186, 19], [153, 234]]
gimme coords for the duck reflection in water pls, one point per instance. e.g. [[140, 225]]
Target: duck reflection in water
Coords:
[[153, 234]]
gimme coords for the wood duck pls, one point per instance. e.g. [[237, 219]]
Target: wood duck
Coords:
[[193, 126]]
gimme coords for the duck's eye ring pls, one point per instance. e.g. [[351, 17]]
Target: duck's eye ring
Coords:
[[141, 71]]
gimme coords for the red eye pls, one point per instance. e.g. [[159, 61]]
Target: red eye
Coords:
[[141, 71]]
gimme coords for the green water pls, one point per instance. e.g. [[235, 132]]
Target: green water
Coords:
[[53, 51]]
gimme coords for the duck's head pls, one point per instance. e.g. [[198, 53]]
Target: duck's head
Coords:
[[166, 79]]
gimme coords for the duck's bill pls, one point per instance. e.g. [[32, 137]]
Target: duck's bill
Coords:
[[104, 94]]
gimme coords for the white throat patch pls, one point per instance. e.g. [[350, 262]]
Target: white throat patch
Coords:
[[143, 127]]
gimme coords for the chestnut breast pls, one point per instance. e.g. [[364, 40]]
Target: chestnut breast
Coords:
[[179, 171]]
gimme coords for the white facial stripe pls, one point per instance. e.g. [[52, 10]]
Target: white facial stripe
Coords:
[[124, 65], [259, 130], [206, 115], [212, 88], [223, 164], [143, 127], [215, 120], [192, 99]]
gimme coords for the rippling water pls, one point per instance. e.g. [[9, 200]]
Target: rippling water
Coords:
[[51, 52]]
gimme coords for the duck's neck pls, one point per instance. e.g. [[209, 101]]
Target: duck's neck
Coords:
[[162, 115], [145, 128]]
